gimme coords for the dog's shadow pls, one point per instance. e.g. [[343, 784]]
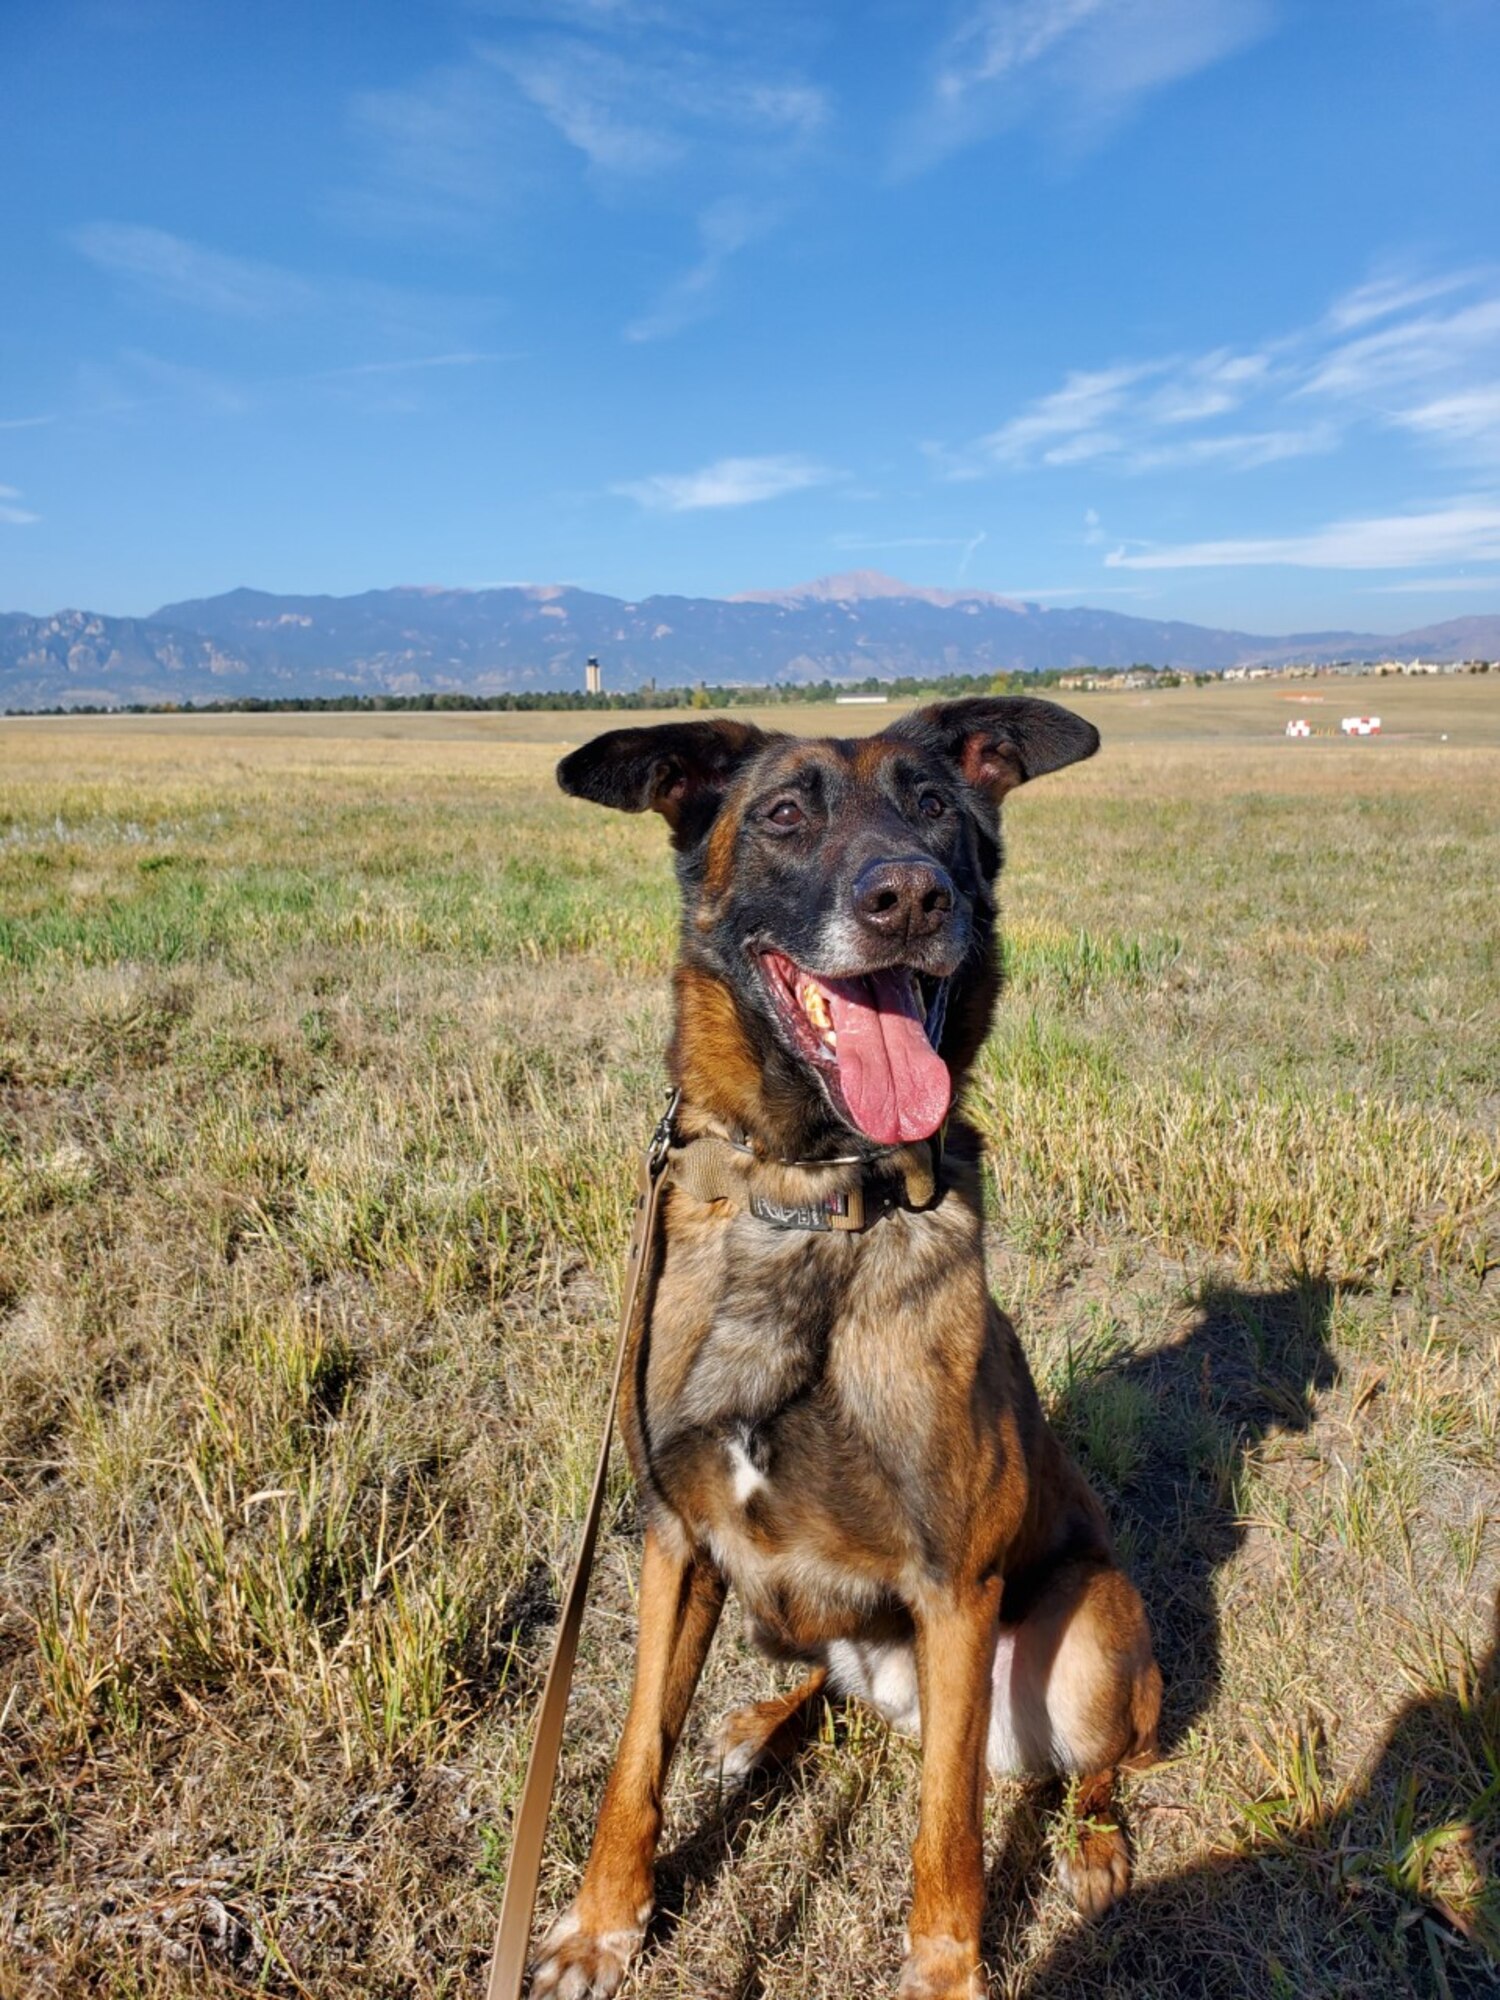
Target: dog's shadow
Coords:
[[1164, 1437], [1391, 1892], [727, 1827]]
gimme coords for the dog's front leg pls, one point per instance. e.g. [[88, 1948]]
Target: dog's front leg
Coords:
[[955, 1662], [587, 1950]]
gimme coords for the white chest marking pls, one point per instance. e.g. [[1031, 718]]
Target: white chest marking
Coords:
[[748, 1481]]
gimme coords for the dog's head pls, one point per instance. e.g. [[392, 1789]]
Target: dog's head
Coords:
[[838, 968]]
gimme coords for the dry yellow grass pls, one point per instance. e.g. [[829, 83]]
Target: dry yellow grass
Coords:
[[324, 1049]]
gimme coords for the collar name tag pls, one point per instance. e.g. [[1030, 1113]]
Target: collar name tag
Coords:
[[843, 1211]]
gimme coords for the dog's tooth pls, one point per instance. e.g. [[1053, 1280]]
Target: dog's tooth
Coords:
[[814, 1006]]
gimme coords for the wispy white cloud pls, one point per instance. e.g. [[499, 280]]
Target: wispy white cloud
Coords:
[[965, 547], [1236, 451], [1209, 385], [632, 110], [1467, 422], [1410, 351], [724, 229], [638, 93], [1426, 586], [622, 14], [134, 380], [1466, 530], [157, 378], [585, 94], [1073, 420], [1424, 359], [1431, 371], [1080, 65], [10, 514], [1394, 292], [728, 482], [25, 423], [971, 548], [1076, 593], [413, 365], [851, 543], [682, 111], [171, 268], [1136, 416], [179, 276], [440, 152], [704, 112]]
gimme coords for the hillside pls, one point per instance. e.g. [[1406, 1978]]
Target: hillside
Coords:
[[80, 659], [536, 637]]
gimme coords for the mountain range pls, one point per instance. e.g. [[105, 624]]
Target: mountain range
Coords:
[[536, 638]]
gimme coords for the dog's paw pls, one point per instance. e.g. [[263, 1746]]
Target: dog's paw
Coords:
[[941, 1968], [1094, 1865], [741, 1743], [575, 1962]]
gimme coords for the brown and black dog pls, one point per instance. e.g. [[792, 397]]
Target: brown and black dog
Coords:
[[839, 1421]]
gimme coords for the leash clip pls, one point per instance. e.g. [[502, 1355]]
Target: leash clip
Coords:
[[661, 1138]]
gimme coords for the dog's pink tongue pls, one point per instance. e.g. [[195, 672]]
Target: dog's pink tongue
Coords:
[[893, 1079]]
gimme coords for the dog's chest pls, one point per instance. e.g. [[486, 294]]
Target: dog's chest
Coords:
[[792, 1399], [754, 1323]]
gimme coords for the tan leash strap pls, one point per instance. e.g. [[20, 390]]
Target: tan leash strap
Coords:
[[513, 1933]]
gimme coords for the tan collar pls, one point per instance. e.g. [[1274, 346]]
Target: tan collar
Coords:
[[712, 1169]]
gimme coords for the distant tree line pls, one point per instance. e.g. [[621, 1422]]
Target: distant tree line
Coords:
[[699, 697]]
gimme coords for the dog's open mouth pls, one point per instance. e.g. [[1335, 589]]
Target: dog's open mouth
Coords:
[[871, 1040]]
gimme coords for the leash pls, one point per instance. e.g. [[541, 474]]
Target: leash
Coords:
[[513, 1933], [709, 1170]]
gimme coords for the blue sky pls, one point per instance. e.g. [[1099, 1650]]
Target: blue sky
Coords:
[[1185, 307]]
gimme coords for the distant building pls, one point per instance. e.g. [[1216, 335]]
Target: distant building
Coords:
[[860, 700], [1299, 726], [593, 679], [1361, 725]]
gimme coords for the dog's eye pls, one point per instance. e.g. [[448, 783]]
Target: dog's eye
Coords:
[[930, 806], [786, 812]]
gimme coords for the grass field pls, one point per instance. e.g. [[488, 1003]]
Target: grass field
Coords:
[[325, 1046]]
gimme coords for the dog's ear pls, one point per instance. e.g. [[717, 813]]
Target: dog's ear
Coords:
[[679, 769], [1000, 741]]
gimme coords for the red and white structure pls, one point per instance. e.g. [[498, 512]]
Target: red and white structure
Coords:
[[1361, 725], [1299, 726]]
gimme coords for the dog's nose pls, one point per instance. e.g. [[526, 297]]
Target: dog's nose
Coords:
[[903, 899]]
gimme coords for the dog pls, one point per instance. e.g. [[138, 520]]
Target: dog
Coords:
[[824, 1406]]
